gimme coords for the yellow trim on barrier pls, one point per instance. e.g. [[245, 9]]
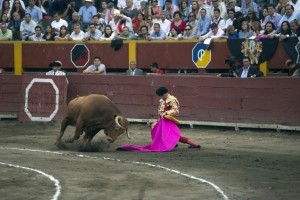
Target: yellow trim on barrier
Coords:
[[263, 67], [132, 51], [18, 58]]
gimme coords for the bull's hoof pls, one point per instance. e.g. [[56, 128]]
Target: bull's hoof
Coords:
[[60, 144], [69, 140]]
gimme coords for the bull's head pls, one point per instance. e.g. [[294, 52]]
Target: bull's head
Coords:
[[119, 127]]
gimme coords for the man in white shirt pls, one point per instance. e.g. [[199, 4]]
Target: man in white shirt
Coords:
[[218, 19], [57, 23], [77, 34], [27, 27], [232, 5], [93, 33], [215, 32], [38, 36], [56, 69], [230, 19], [165, 24]]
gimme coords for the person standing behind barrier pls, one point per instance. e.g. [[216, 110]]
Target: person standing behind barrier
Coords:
[[133, 71], [154, 68], [87, 12], [248, 71], [56, 69], [96, 68]]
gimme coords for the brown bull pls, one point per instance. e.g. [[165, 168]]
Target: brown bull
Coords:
[[90, 114]]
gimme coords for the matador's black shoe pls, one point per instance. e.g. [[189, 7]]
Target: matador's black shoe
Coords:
[[195, 146]]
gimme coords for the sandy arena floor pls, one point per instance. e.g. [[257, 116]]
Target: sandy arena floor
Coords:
[[245, 164]]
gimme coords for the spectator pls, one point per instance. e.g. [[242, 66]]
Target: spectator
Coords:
[[103, 10], [247, 70], [231, 19], [285, 30], [217, 4], [263, 19], [157, 34], [294, 69], [38, 36], [155, 69], [178, 22], [256, 28], [114, 22], [154, 9], [149, 24], [130, 10], [56, 69], [289, 15], [195, 8], [109, 34], [34, 11], [14, 26], [175, 34], [4, 19], [165, 24], [110, 13], [77, 34], [280, 8], [204, 23], [5, 9], [49, 34], [133, 71], [121, 4], [144, 9], [295, 4], [269, 31], [188, 33], [57, 23], [16, 7], [6, 34], [232, 5], [138, 21], [193, 22], [75, 20], [27, 27], [96, 68], [246, 5], [273, 16], [217, 19], [295, 29], [239, 20], [170, 9], [63, 34], [126, 34], [143, 33], [99, 23], [230, 33], [87, 12], [251, 17], [68, 13], [124, 22], [92, 34], [245, 32], [214, 33], [184, 10]]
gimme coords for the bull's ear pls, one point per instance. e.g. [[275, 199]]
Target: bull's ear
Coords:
[[115, 115]]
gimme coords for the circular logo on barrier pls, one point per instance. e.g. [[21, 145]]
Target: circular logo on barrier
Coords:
[[201, 56], [80, 55]]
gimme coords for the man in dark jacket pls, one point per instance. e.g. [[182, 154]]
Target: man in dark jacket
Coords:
[[247, 70]]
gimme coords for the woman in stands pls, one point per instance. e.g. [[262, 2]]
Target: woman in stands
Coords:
[[184, 9], [178, 22], [4, 19], [245, 32], [195, 9], [144, 9], [138, 21], [5, 9], [154, 9], [109, 34], [263, 18], [175, 34], [63, 34], [16, 7], [285, 30], [49, 34], [270, 30]]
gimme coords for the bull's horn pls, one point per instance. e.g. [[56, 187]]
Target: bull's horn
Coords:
[[117, 122], [128, 135]]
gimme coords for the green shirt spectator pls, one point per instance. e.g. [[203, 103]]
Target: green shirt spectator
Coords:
[[5, 33]]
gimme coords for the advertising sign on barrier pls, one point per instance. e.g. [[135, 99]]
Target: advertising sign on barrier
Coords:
[[200, 55]]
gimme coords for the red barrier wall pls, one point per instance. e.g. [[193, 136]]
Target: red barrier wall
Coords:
[[270, 100]]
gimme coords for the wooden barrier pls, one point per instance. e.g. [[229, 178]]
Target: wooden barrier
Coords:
[[169, 54]]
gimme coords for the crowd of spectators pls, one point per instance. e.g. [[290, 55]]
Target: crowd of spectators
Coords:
[[148, 20]]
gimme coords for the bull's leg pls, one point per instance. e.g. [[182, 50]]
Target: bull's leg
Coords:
[[91, 136], [63, 127], [78, 132]]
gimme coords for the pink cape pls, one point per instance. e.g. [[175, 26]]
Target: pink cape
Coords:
[[165, 136]]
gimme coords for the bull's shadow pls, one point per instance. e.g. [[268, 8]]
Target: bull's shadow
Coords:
[[95, 146]]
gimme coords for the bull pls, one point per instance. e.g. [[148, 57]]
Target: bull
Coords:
[[90, 114]]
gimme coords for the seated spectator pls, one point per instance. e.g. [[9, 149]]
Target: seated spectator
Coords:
[[188, 33], [49, 34], [149, 24], [133, 71], [56, 69], [14, 25], [138, 21], [103, 10], [125, 35], [263, 19], [193, 22], [165, 24], [249, 4], [68, 13], [144, 9], [178, 22], [38, 36], [245, 32], [115, 20], [239, 20], [4, 19], [109, 34], [294, 69], [92, 34], [27, 27], [154, 9], [157, 34], [75, 20], [269, 31], [285, 30], [99, 23], [175, 34], [77, 34], [96, 68], [295, 28], [57, 23], [204, 23], [34, 11], [251, 17], [6, 34], [217, 19], [230, 33], [273, 16], [289, 15], [248, 71], [170, 9], [155, 69], [143, 33], [63, 34], [220, 5], [123, 21], [16, 7], [231, 19], [87, 12], [184, 10], [280, 8], [130, 10], [232, 5], [214, 33]]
